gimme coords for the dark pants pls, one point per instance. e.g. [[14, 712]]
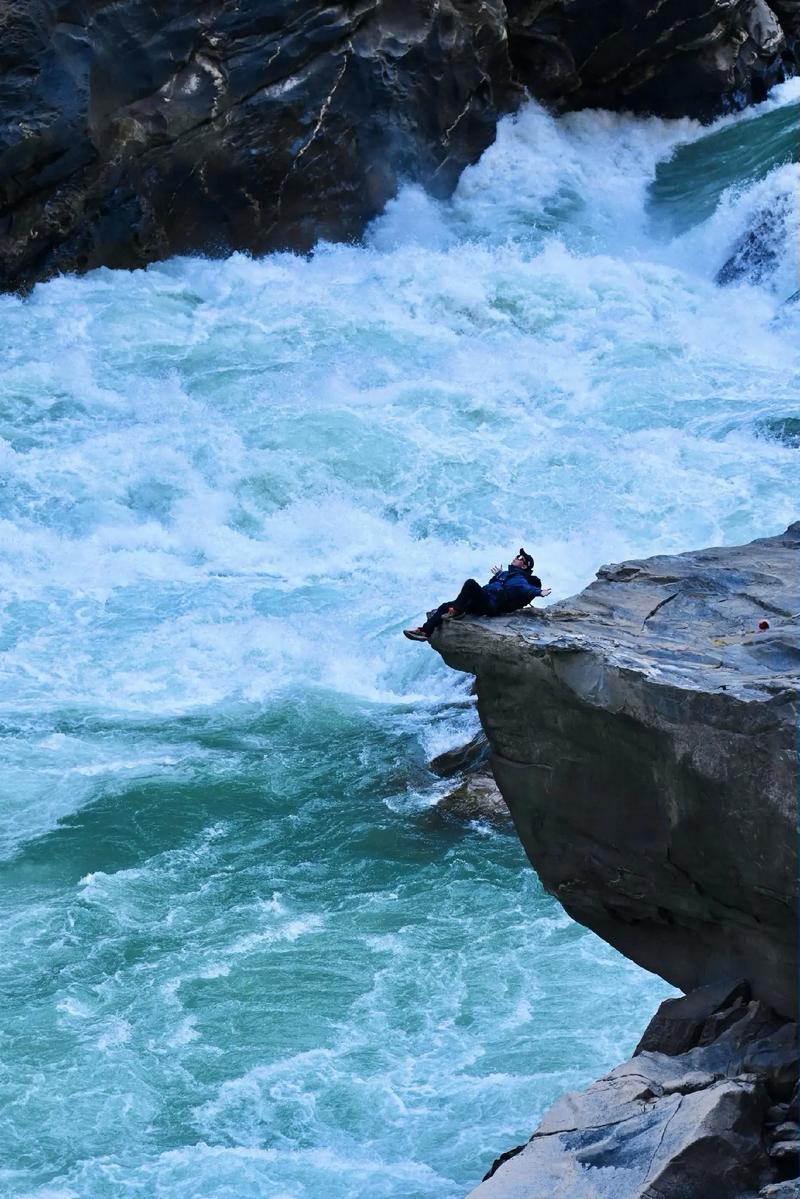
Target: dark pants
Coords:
[[470, 599]]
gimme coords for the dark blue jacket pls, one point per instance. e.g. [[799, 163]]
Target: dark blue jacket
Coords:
[[510, 590]]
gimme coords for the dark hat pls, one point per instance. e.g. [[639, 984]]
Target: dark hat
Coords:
[[528, 559]]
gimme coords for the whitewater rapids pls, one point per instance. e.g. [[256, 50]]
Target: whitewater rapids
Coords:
[[240, 956]]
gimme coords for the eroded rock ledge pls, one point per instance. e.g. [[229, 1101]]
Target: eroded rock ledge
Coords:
[[131, 131], [643, 735]]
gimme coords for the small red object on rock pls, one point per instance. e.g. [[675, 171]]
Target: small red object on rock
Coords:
[[763, 624]]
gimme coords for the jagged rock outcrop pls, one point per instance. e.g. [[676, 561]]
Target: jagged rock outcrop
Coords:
[[474, 795], [131, 131], [671, 58], [706, 1107], [759, 253], [643, 736]]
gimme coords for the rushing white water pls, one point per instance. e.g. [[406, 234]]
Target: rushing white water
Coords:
[[243, 960]]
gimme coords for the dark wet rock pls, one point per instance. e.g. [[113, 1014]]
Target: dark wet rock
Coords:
[[680, 1024], [673, 58], [471, 756], [786, 1153], [643, 736], [131, 131], [785, 429], [501, 1160], [477, 798], [777, 1113], [675, 1126], [761, 250]]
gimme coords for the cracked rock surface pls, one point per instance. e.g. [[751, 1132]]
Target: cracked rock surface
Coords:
[[131, 131], [687, 1117], [643, 737]]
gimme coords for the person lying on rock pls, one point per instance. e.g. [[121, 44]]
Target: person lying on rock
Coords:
[[507, 591]]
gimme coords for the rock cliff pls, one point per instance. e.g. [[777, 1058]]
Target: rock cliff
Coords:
[[131, 131], [643, 735]]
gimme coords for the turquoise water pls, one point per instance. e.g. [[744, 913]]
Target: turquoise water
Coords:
[[689, 185], [242, 954]]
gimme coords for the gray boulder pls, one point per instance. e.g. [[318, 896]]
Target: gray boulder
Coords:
[[476, 798], [474, 795], [620, 1141], [667, 1125]]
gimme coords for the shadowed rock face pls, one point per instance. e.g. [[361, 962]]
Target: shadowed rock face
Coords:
[[131, 131], [672, 58], [643, 736]]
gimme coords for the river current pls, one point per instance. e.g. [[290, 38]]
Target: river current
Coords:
[[241, 954]]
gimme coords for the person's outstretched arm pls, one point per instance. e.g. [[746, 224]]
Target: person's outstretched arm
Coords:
[[531, 591]]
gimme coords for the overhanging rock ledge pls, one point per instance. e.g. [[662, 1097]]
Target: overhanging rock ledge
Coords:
[[643, 734]]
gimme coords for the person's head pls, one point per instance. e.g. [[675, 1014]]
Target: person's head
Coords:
[[524, 560]]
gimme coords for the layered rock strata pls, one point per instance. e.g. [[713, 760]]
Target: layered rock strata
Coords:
[[643, 734], [707, 1107], [131, 131]]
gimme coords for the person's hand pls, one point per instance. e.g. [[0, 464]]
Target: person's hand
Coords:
[[546, 590], [496, 570]]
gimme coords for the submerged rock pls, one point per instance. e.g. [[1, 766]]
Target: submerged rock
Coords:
[[473, 755], [785, 429], [760, 251], [131, 131], [475, 795], [477, 798], [643, 736], [677, 1125]]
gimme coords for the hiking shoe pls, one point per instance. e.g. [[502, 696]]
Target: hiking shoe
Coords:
[[453, 614], [415, 635]]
